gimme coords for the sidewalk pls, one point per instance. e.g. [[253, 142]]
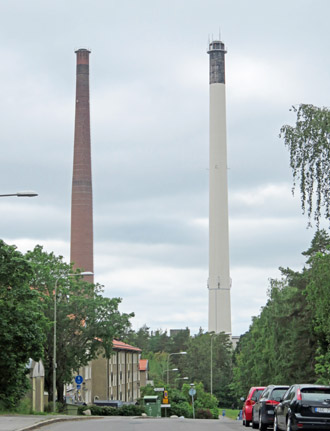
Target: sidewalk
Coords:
[[30, 422]]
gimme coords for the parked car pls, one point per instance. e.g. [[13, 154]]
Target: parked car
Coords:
[[304, 407], [263, 410], [109, 403], [251, 399]]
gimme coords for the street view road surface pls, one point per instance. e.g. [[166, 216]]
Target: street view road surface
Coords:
[[139, 424]]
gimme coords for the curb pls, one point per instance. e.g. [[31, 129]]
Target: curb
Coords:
[[53, 421]]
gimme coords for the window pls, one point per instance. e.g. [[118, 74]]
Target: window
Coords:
[[266, 393], [315, 394], [256, 394], [278, 393]]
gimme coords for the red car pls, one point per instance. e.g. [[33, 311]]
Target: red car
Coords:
[[251, 399]]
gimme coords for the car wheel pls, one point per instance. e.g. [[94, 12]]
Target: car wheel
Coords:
[[288, 425], [262, 426]]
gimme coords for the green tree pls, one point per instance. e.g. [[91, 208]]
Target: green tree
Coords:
[[197, 364], [22, 325], [294, 320], [318, 296], [87, 322], [140, 338], [309, 146]]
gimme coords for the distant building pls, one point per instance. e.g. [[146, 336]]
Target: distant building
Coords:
[[235, 340], [116, 378], [144, 370]]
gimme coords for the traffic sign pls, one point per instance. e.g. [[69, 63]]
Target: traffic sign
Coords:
[[79, 380], [78, 386], [192, 392], [159, 389]]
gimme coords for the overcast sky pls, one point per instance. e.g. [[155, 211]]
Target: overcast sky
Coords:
[[149, 127]]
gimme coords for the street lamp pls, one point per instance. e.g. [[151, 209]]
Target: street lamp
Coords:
[[181, 378], [55, 324], [21, 194], [168, 362], [167, 372]]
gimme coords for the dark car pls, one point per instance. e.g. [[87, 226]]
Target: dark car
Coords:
[[304, 407], [263, 410], [109, 403], [251, 399]]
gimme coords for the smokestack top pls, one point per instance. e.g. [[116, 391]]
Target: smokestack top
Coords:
[[217, 45], [217, 53], [83, 56]]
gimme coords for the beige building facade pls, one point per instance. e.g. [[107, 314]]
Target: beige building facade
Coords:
[[37, 381], [116, 378]]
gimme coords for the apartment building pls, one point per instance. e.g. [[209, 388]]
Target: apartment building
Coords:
[[116, 378]]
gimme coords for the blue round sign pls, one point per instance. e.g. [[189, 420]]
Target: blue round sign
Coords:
[[78, 380]]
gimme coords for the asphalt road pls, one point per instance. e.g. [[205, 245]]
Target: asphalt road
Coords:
[[137, 424]]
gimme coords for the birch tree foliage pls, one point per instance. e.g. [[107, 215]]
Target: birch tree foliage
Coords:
[[308, 143]]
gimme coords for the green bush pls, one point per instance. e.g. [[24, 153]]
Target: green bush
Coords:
[[130, 410], [125, 410], [181, 409], [204, 414], [24, 407], [99, 410], [215, 412]]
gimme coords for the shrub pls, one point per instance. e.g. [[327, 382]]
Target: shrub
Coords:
[[125, 410], [181, 409], [204, 414], [215, 413], [130, 410]]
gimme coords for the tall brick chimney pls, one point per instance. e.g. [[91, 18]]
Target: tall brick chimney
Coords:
[[82, 195]]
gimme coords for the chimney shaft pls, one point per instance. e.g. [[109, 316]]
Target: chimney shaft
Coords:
[[82, 195], [219, 282]]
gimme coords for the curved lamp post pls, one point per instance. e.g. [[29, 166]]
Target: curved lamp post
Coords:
[[55, 324], [168, 362], [168, 371]]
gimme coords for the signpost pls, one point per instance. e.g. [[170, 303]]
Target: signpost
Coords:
[[192, 392], [165, 397], [79, 380]]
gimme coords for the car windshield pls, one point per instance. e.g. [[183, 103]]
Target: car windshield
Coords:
[[316, 394], [256, 394], [277, 394]]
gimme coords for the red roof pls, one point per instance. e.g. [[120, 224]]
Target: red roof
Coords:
[[119, 345], [143, 365]]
